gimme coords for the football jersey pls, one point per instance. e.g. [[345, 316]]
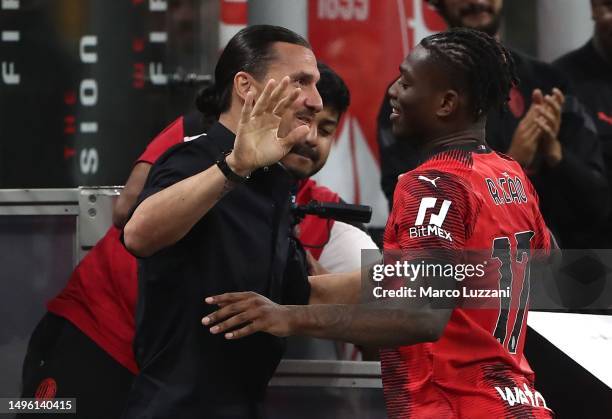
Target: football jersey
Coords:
[[462, 199]]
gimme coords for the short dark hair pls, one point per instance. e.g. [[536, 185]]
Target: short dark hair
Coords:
[[333, 90], [478, 64], [250, 50]]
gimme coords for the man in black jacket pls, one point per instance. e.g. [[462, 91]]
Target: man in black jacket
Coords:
[[590, 70], [546, 130]]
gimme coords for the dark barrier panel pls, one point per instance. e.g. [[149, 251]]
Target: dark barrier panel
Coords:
[[86, 84]]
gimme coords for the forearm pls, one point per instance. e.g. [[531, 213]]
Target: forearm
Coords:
[[130, 193], [342, 288], [167, 216], [367, 325]]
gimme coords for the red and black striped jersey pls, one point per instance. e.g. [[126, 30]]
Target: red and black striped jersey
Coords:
[[460, 200]]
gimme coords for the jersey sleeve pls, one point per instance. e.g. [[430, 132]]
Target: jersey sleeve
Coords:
[[171, 135], [433, 210], [180, 162], [343, 251], [542, 240]]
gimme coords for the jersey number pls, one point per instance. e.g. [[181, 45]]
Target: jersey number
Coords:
[[502, 252]]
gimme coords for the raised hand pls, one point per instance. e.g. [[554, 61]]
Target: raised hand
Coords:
[[257, 142]]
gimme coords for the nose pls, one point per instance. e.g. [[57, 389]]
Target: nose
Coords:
[[313, 99], [392, 92], [312, 139]]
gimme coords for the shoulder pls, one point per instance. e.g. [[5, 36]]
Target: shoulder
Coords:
[[445, 177], [575, 63], [452, 168], [310, 189], [194, 155], [171, 135]]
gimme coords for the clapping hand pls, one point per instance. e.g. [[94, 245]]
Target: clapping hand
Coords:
[[550, 111]]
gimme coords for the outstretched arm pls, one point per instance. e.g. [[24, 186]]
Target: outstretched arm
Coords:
[[167, 216], [372, 324]]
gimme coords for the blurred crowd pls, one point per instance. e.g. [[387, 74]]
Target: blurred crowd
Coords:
[[558, 126]]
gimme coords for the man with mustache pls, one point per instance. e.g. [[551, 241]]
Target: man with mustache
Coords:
[[214, 215], [439, 358], [590, 69], [89, 329], [208, 219], [546, 130]]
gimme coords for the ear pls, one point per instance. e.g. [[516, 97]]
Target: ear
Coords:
[[243, 84], [449, 103]]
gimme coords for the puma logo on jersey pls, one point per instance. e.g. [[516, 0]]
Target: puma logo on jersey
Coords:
[[433, 182]]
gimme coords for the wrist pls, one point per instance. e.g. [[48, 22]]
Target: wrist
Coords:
[[297, 319], [555, 155], [236, 167]]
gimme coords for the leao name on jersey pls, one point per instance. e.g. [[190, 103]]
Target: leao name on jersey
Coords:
[[506, 190]]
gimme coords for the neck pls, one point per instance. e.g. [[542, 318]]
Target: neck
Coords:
[[601, 50], [475, 135], [230, 121]]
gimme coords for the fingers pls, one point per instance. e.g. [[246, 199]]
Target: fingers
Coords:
[[226, 312], [551, 117], [294, 137], [247, 108], [235, 321], [229, 297], [532, 133], [558, 94], [286, 102], [277, 94], [554, 104], [247, 330], [263, 101], [531, 114], [537, 97], [548, 130]]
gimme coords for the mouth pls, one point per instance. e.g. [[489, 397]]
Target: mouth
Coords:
[[305, 152], [395, 111], [476, 10]]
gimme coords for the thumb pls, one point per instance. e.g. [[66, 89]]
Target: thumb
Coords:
[[294, 137], [537, 97]]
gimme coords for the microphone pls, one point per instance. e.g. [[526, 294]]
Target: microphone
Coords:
[[347, 213]]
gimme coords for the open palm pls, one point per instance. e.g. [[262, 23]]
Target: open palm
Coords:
[[257, 143]]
